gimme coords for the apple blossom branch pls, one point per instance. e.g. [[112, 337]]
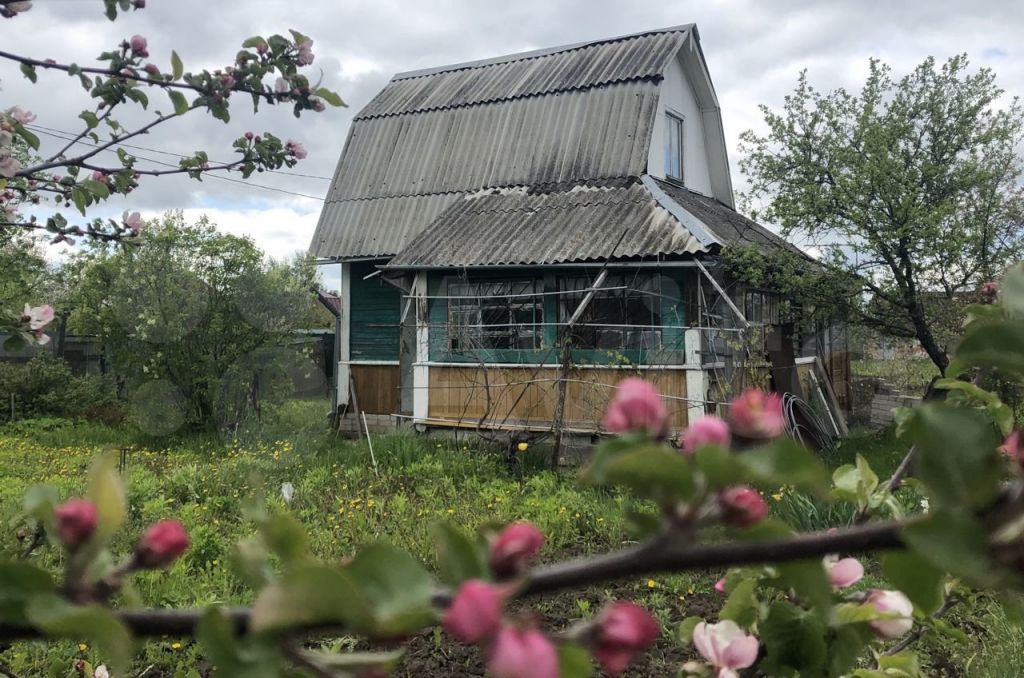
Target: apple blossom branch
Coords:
[[654, 557]]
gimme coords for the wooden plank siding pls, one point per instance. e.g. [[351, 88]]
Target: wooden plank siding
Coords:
[[528, 396], [377, 388]]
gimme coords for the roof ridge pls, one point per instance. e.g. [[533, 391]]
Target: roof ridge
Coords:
[[535, 54], [501, 99]]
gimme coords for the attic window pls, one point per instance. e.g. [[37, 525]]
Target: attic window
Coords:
[[673, 147]]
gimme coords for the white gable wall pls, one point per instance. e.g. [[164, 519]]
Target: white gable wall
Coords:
[[677, 96]]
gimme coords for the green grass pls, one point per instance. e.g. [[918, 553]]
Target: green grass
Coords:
[[911, 376], [205, 481]]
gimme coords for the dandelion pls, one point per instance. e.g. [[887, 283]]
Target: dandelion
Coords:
[[651, 584], [82, 647], [522, 447], [175, 646]]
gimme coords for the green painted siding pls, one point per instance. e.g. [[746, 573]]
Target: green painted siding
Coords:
[[376, 311], [673, 319]]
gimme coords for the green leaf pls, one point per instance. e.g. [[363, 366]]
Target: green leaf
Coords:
[[458, 557], [718, 465], [399, 590], [177, 68], [914, 576], [1012, 291], [40, 502], [29, 71], [19, 582], [284, 536], [794, 641], [30, 138], [298, 37], [1000, 412], [250, 563], [999, 344], [574, 661], [954, 542], [81, 198], [653, 472], [311, 594], [684, 633], [138, 96], [956, 455], [97, 188], [57, 617], [858, 613], [809, 580], [357, 663], [232, 658], [179, 101], [330, 97], [900, 664], [107, 492], [845, 645], [785, 462], [90, 119], [742, 606], [254, 41]]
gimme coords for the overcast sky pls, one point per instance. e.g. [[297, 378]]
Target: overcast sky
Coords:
[[754, 49]]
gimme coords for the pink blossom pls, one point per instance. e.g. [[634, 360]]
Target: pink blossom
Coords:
[[152, 69], [475, 612], [1013, 447], [248, 136], [133, 221], [624, 630], [305, 52], [6, 138], [317, 104], [281, 86], [161, 544], [138, 45], [513, 548], [76, 521], [9, 166], [295, 148], [262, 47], [38, 317], [756, 414], [522, 653], [843, 573], [708, 430], [894, 603], [20, 116], [720, 585], [742, 506], [637, 406], [99, 176], [726, 646], [42, 338], [990, 288]]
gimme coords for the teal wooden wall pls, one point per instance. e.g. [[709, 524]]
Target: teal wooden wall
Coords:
[[673, 319], [376, 310]]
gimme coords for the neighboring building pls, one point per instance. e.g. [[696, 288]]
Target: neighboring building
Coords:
[[486, 213]]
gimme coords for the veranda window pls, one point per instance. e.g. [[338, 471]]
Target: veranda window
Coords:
[[497, 314], [625, 314]]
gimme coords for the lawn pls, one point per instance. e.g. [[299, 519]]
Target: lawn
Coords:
[[207, 480]]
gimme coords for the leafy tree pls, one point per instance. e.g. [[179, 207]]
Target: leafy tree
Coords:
[[197, 311], [913, 186]]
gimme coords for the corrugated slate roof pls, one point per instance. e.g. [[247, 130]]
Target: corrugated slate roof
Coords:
[[564, 115], [530, 74], [726, 223], [519, 226]]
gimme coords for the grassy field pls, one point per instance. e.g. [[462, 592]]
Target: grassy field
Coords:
[[343, 504]]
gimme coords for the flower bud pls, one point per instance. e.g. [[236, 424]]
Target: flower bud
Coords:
[[522, 653], [76, 522], [742, 506], [843, 573], [709, 430], [249, 136], [161, 544], [894, 603], [756, 414], [637, 406], [138, 45], [475, 613], [514, 548], [1013, 447], [624, 630]]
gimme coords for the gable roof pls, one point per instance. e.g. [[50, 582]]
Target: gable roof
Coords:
[[569, 114]]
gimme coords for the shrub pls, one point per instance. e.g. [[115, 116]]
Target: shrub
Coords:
[[45, 387]]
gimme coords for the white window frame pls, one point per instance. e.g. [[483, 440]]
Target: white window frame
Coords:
[[678, 118]]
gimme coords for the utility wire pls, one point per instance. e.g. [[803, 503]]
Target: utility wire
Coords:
[[250, 184]]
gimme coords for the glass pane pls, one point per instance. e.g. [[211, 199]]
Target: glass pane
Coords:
[[673, 147]]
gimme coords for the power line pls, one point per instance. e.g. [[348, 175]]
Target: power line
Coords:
[[176, 155], [218, 177]]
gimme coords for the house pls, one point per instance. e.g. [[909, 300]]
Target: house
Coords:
[[517, 234]]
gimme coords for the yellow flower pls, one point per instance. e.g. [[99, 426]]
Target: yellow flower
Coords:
[[777, 496], [175, 646], [651, 584], [522, 447], [82, 647]]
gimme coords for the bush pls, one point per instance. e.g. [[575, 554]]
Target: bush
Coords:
[[45, 387]]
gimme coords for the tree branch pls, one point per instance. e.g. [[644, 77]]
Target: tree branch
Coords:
[[641, 560]]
